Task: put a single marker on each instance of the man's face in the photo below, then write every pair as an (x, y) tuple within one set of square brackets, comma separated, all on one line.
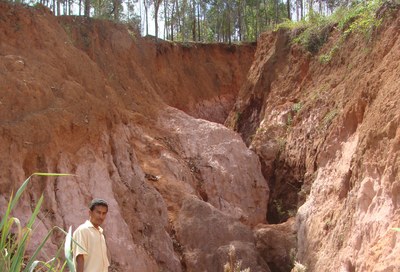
[(98, 215)]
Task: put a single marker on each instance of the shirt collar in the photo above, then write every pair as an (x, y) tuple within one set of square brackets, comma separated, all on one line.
[(90, 225)]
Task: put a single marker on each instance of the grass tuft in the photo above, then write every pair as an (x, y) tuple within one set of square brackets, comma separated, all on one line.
[(13, 245), (234, 265)]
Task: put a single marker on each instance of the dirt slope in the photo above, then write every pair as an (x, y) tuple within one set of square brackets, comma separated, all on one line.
[(92, 98), (328, 137), (210, 75)]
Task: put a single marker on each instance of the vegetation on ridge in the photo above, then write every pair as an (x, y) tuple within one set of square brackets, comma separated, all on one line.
[(360, 17), (219, 20)]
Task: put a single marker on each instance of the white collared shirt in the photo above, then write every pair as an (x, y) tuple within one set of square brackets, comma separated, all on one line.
[(93, 249)]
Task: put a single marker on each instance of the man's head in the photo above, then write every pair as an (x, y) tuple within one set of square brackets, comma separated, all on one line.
[(98, 209)]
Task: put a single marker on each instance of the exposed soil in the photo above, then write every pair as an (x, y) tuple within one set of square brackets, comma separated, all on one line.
[(326, 136), (130, 116)]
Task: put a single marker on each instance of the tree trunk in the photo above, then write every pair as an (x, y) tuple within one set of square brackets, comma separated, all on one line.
[(54, 7), (229, 33), (87, 8), (157, 4), (320, 7), (172, 21), (147, 16), (178, 18), (65, 7), (301, 9), (198, 22), (166, 18), (116, 10), (58, 8), (193, 20), (241, 23)]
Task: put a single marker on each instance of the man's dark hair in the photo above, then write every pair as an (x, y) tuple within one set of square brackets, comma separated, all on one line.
[(98, 202)]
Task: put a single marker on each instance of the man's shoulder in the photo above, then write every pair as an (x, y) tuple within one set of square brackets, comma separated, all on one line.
[(83, 227)]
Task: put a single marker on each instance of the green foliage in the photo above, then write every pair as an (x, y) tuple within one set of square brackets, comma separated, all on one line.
[(291, 25), (238, 115), (361, 18), (289, 119), (228, 20), (281, 212), (297, 107), (313, 31), (316, 33), (281, 143), (329, 117), (326, 58), (279, 208), (13, 245)]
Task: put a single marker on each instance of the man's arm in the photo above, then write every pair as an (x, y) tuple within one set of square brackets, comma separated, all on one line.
[(79, 263)]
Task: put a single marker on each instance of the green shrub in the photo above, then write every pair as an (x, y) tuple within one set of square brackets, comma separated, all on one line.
[(313, 32), (361, 18), (326, 58), (316, 33), (297, 107), (13, 245), (293, 25)]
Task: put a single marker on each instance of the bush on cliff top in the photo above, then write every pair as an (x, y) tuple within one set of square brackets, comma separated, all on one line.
[(314, 31)]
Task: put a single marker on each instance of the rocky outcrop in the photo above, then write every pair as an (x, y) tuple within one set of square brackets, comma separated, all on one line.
[(226, 174), (207, 235), (277, 244)]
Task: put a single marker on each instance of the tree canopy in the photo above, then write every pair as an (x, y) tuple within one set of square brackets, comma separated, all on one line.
[(198, 20)]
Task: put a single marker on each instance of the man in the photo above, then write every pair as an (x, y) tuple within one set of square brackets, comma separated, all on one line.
[(90, 255)]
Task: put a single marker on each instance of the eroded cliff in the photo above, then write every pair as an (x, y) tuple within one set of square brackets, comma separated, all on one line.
[(316, 142), (328, 136), (93, 99)]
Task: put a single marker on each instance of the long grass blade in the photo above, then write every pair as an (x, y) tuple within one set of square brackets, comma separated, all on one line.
[(57, 268), (19, 192), (63, 267), (12, 250), (33, 266), (35, 212), (6, 214), (13, 201), (11, 243), (18, 257), (44, 265), (32, 258), (52, 174), (5, 231), (20, 251), (4, 259)]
